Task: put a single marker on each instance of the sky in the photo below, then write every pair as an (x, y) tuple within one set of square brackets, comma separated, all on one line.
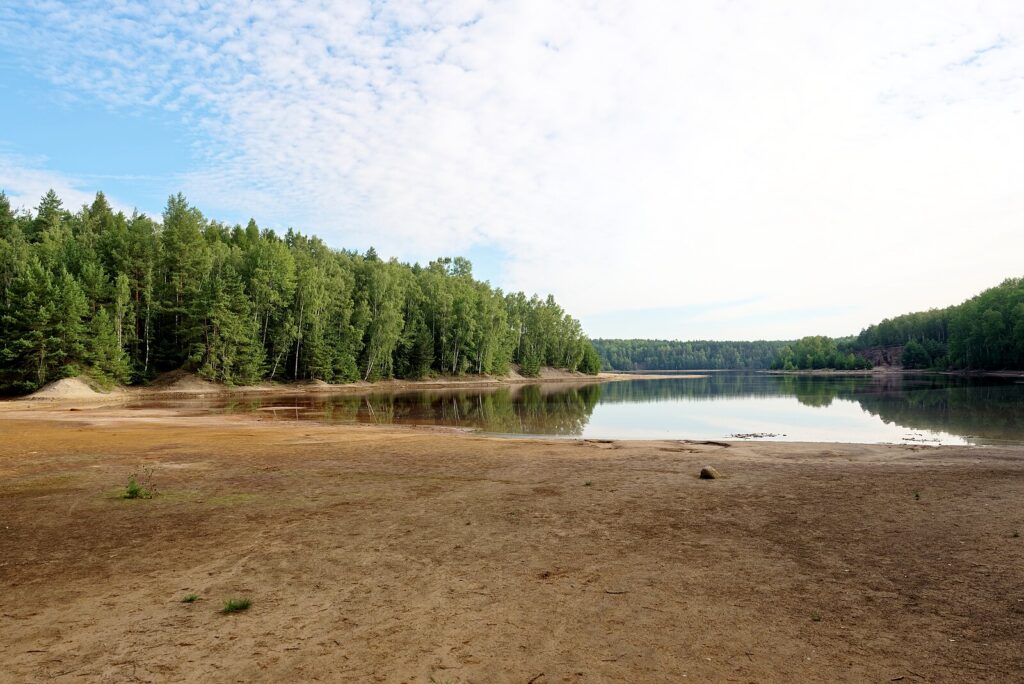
[(667, 169)]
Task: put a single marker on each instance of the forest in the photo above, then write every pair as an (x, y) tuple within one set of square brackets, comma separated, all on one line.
[(819, 352), (124, 298), (986, 332), (635, 355)]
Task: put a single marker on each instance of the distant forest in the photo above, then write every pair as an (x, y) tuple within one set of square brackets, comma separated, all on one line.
[(985, 332), (634, 355), (123, 298)]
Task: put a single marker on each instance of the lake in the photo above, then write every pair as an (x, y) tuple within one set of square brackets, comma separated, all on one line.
[(892, 408)]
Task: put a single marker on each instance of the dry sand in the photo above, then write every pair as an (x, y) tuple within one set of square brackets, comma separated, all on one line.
[(401, 555), (73, 389)]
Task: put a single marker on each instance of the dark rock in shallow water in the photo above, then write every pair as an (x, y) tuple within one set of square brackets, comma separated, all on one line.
[(709, 473)]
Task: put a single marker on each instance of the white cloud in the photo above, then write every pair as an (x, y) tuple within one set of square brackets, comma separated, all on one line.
[(864, 156), (25, 181)]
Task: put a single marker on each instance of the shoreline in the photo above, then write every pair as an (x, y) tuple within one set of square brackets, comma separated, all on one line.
[(179, 384)]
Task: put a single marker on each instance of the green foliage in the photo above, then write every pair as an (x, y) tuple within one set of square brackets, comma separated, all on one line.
[(817, 352), (631, 355), (190, 598), (135, 490), (985, 332), (236, 605), (124, 298), (529, 364), (591, 362), (916, 356)]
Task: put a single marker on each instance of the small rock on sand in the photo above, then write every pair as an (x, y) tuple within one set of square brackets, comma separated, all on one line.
[(709, 473)]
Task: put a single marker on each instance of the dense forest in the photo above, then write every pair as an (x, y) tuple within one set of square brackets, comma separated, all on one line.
[(817, 352), (985, 332), (632, 355), (123, 298)]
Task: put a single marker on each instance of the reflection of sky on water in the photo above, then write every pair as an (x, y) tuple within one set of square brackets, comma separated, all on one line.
[(687, 418), (890, 408)]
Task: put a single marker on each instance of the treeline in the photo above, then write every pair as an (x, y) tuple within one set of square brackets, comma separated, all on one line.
[(634, 355), (985, 332), (126, 297), (818, 352)]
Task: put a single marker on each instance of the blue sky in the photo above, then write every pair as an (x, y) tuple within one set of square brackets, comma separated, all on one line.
[(674, 170), (131, 155)]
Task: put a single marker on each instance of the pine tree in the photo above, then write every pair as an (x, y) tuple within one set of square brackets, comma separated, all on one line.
[(104, 354), (68, 328), (26, 357)]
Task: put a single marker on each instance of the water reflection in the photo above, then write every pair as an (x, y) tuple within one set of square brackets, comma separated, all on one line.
[(525, 409), (887, 408), (979, 409)]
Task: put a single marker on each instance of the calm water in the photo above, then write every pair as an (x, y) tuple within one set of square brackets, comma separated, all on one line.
[(928, 409)]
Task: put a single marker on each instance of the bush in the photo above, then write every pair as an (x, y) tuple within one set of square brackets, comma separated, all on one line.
[(916, 356), (140, 487)]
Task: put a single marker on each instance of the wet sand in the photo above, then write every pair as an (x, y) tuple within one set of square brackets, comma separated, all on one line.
[(405, 554)]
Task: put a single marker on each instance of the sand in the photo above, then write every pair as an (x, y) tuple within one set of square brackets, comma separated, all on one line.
[(401, 555), (73, 389), (182, 384)]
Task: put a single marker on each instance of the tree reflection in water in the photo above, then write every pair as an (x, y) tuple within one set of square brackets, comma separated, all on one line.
[(978, 408)]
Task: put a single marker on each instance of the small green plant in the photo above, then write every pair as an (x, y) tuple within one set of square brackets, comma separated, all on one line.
[(1015, 535), (917, 495), (588, 483), (135, 490), (140, 486), (191, 598), (816, 617), (236, 605)]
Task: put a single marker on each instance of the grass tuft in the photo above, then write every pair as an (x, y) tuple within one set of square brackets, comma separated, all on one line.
[(588, 483), (140, 487), (134, 490), (190, 598), (236, 605)]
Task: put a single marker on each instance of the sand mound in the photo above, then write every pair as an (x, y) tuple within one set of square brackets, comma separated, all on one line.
[(67, 388), (183, 382)]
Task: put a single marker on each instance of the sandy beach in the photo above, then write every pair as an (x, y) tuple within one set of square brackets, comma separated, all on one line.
[(418, 555)]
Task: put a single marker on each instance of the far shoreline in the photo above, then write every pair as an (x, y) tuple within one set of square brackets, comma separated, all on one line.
[(184, 384)]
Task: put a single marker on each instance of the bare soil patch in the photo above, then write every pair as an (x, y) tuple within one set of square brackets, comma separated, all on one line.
[(376, 554)]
